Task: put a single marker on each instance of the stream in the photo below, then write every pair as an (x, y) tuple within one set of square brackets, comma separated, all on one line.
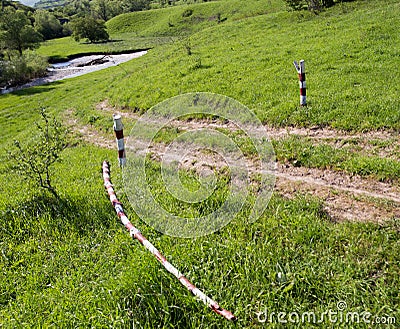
[(76, 67)]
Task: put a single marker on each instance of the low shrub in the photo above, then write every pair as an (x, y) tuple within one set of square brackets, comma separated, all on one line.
[(21, 69), (315, 5), (187, 13)]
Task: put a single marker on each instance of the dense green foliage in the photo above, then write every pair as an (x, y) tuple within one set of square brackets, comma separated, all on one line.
[(101, 9), (17, 70), (120, 6), (90, 29), (70, 263), (47, 25), (315, 5), (16, 36), (17, 33)]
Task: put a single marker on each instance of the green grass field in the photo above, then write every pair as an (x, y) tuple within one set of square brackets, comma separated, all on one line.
[(69, 262), (147, 29)]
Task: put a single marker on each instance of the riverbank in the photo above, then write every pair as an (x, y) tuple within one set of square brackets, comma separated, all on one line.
[(76, 67)]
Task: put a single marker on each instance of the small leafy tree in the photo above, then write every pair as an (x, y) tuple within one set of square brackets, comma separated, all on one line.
[(89, 28), (34, 160)]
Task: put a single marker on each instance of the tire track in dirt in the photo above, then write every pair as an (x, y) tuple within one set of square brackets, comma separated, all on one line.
[(87, 133), (367, 142), (272, 132), (345, 197)]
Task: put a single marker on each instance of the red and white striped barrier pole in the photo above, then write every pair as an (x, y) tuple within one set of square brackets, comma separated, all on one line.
[(135, 233), (302, 81), (119, 134)]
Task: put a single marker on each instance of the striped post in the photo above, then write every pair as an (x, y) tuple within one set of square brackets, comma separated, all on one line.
[(302, 81), (119, 134), (135, 233)]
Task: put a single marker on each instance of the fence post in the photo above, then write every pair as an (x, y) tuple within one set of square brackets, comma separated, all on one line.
[(119, 134), (136, 234), (302, 81)]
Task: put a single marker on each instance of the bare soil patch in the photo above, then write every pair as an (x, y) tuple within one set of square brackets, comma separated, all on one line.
[(377, 143), (345, 197), (107, 107), (87, 133)]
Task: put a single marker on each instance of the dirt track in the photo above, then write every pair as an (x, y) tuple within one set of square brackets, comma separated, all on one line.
[(345, 197)]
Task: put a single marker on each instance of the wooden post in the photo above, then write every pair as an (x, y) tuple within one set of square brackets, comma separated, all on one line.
[(302, 81), (119, 134)]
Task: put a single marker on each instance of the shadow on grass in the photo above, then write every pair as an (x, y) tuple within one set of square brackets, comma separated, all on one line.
[(142, 299), (47, 214), (45, 87), (57, 59), (103, 42)]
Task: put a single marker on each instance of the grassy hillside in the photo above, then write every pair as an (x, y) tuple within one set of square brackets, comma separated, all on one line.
[(187, 19), (147, 29), (69, 263), (251, 60)]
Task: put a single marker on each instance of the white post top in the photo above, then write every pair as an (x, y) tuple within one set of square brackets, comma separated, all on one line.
[(302, 66), (299, 66), (117, 122)]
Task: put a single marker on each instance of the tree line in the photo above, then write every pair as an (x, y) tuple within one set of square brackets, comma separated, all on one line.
[(105, 9), (99, 9)]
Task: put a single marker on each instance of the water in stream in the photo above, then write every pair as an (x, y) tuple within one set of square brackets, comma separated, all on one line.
[(76, 67)]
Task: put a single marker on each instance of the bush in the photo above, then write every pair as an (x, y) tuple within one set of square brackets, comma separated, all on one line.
[(36, 65), (297, 4), (187, 13), (312, 4), (34, 160), (20, 69)]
